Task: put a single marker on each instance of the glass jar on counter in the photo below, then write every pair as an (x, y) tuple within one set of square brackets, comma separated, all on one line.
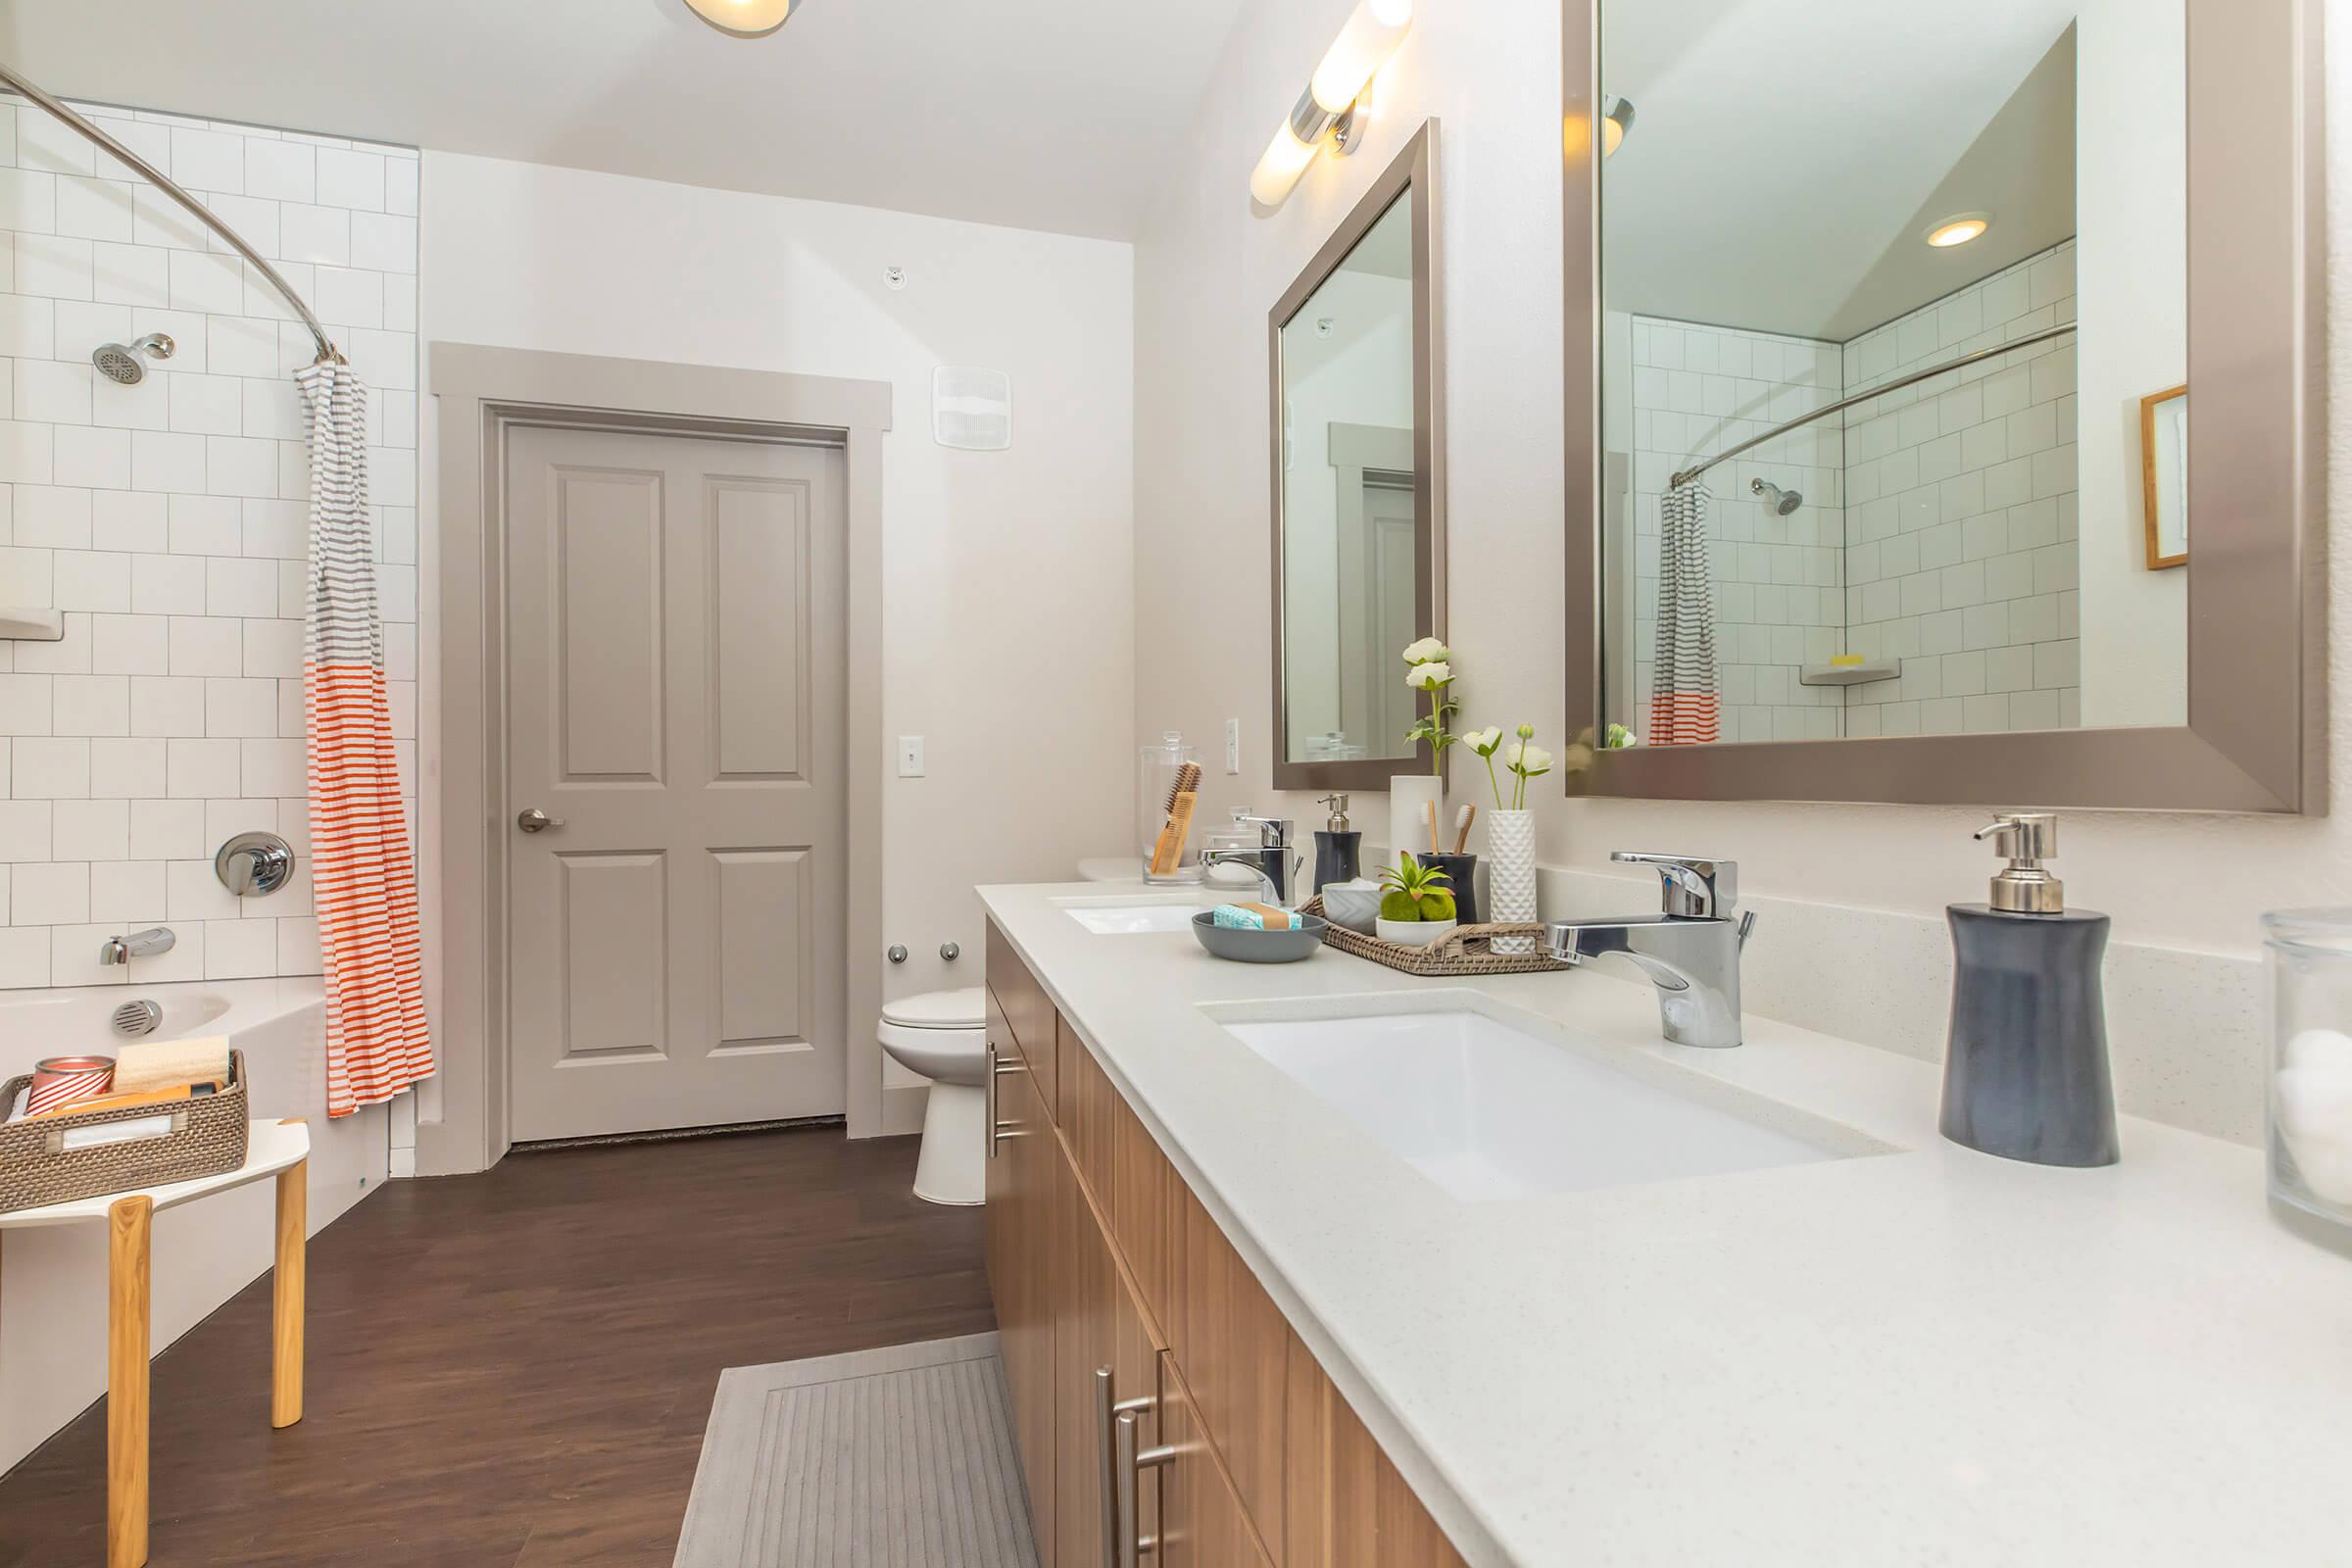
[(2311, 1068), (1167, 787)]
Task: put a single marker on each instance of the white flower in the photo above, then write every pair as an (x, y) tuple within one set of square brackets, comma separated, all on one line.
[(1484, 741), (1528, 760), (1428, 650), (1429, 677)]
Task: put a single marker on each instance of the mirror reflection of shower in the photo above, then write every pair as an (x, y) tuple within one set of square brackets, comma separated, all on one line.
[(1782, 502)]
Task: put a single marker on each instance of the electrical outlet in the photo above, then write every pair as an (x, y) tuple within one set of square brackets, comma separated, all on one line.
[(910, 757), (1233, 746)]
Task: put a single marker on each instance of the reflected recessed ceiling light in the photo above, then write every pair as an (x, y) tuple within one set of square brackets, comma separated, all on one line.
[(743, 19), (1958, 229)]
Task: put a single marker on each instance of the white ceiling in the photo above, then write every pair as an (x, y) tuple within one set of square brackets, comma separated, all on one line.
[(1038, 113), (1785, 154)]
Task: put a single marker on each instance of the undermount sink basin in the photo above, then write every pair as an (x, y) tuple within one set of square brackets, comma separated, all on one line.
[(1490, 1111), (1132, 916)]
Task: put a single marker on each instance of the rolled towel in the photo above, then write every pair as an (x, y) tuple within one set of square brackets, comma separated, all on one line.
[(171, 1064), (1251, 917)]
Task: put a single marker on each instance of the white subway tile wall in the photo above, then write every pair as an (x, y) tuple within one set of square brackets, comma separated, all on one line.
[(1779, 600), (1961, 561), (169, 521), (1939, 524)]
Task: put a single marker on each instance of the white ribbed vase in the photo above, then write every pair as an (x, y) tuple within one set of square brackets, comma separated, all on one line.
[(1409, 797), (1511, 876)]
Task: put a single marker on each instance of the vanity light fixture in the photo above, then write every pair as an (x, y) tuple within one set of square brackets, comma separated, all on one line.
[(1329, 106), (1958, 229), (743, 18)]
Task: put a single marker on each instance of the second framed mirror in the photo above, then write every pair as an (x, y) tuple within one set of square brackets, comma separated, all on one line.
[(1357, 453)]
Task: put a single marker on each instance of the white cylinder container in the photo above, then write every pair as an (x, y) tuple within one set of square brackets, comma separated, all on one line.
[(1511, 876)]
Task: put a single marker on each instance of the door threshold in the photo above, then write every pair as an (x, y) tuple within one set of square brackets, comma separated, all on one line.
[(671, 1135)]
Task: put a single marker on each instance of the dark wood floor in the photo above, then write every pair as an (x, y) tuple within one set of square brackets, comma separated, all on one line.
[(513, 1370)]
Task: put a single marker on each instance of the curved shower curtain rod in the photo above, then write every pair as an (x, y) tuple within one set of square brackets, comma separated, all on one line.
[(1677, 481), (196, 208)]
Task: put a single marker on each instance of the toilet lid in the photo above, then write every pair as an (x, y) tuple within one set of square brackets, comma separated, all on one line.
[(938, 1010)]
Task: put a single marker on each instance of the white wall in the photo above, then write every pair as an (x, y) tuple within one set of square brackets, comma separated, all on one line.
[(1007, 574), (169, 522), (2131, 138), (1206, 269)]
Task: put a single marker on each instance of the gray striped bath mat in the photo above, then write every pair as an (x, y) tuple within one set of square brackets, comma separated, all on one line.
[(894, 1458)]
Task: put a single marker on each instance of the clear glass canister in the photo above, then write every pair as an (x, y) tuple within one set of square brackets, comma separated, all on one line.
[(1168, 787), (2311, 1065)]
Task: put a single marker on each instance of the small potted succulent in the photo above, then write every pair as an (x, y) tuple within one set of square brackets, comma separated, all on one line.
[(1416, 908)]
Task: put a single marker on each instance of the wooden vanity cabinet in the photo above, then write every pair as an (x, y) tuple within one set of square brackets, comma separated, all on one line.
[(1099, 1256)]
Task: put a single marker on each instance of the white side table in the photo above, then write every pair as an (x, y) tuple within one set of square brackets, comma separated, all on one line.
[(279, 1149)]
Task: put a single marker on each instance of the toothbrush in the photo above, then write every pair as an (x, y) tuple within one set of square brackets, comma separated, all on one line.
[(1429, 809), (1461, 828)]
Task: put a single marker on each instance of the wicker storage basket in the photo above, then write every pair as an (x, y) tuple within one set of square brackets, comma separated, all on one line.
[(1466, 950), (65, 1157)]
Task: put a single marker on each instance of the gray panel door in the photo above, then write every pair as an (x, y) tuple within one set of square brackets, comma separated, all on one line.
[(675, 686)]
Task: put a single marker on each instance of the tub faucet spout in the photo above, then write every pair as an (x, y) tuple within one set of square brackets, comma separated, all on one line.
[(137, 945)]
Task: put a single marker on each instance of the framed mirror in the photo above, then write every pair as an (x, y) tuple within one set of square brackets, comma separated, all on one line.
[(1359, 485), (1864, 494)]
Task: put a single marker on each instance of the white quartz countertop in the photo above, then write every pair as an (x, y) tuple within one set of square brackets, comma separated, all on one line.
[(1923, 1356)]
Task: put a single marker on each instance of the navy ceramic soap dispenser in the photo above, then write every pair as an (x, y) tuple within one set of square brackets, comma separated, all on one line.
[(2025, 1074)]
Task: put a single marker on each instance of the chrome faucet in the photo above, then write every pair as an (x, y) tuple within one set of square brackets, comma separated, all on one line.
[(1690, 949), (138, 945), (1273, 859)]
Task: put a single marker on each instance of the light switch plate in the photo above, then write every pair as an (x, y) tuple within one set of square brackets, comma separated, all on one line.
[(1233, 746), (910, 757)]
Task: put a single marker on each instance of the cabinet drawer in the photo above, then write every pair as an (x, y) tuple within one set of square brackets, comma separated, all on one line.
[(1028, 1012)]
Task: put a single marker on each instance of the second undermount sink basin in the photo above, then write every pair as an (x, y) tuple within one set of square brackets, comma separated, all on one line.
[(1490, 1111), (1127, 917)]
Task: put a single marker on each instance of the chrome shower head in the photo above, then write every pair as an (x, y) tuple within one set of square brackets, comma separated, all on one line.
[(121, 361), (1782, 502)]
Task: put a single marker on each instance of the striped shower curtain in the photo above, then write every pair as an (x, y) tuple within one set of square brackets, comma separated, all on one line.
[(1683, 699), (363, 875)]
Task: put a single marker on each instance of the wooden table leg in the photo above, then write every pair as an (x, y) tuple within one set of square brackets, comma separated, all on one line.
[(129, 1226), (293, 1257)]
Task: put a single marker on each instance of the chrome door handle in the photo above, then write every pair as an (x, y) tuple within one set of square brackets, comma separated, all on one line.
[(1132, 1460), (1107, 1410), (533, 820)]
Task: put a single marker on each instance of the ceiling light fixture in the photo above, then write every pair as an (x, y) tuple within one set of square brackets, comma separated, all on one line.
[(1958, 229), (743, 18), (1328, 109)]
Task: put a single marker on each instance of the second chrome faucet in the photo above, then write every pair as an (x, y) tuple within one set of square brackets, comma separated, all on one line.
[(1689, 948)]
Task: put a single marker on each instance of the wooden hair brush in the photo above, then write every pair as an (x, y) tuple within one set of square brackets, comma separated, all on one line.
[(1183, 792)]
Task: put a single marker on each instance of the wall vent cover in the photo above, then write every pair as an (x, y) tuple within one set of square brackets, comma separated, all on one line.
[(972, 410)]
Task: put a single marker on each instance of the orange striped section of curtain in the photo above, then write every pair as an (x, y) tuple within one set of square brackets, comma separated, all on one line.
[(363, 872)]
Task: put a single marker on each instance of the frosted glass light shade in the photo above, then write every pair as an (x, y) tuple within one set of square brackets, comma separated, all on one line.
[(1374, 30), (745, 19), (1286, 159)]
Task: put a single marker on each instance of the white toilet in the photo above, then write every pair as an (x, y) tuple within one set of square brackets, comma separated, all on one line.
[(943, 1035)]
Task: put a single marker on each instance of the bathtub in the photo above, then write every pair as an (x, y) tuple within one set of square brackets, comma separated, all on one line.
[(53, 1280)]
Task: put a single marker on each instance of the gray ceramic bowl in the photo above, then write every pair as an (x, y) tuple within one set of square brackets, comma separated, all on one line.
[(1259, 946)]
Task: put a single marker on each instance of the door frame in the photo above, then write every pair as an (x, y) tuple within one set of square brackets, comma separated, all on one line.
[(481, 393)]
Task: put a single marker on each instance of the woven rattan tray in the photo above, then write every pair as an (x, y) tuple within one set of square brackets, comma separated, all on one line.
[(1466, 950), (62, 1158)]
